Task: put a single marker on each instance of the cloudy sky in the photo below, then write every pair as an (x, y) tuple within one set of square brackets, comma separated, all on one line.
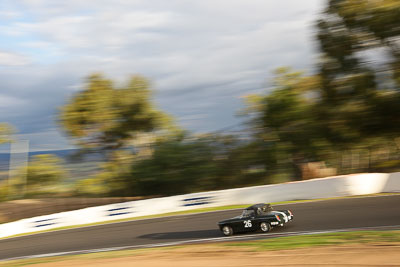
[(201, 56)]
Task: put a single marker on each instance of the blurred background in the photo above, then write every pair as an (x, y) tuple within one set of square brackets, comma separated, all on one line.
[(102, 104)]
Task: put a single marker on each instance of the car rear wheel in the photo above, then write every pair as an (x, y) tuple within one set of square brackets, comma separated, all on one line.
[(265, 227), (227, 230)]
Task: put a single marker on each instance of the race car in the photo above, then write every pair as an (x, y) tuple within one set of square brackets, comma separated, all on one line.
[(259, 217)]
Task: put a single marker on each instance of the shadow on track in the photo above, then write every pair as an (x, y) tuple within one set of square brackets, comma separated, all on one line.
[(198, 234)]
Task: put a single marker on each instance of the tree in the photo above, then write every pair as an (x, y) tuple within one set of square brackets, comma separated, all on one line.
[(6, 188), (360, 70), (42, 175), (103, 117), (193, 163), (5, 133), (45, 169), (285, 120), (113, 179), (351, 104), (176, 166), (360, 67)]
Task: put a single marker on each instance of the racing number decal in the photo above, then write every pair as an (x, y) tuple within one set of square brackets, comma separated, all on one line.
[(247, 224)]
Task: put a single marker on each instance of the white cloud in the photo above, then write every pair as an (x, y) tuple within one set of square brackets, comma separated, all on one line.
[(9, 14), (37, 44), (7, 101), (13, 59), (101, 31)]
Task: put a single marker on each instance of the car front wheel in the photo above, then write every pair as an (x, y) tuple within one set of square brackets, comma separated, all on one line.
[(265, 227), (227, 230)]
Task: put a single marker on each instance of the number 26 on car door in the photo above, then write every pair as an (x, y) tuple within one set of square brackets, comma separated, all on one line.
[(247, 223)]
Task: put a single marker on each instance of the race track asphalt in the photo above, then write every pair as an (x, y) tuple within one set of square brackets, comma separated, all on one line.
[(308, 216)]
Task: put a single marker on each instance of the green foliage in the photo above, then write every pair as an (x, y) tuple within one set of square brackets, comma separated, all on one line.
[(175, 167), (113, 179), (45, 169), (103, 116), (7, 191), (93, 186), (364, 96), (187, 164), (5, 133), (286, 121), (350, 108), (296, 124), (43, 176)]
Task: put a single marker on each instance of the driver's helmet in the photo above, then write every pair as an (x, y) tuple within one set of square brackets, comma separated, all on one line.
[(264, 209)]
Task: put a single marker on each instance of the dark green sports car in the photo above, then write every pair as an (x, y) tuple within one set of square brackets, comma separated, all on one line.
[(259, 217)]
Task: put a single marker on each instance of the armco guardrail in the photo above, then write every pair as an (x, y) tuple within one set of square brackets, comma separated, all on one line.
[(349, 185)]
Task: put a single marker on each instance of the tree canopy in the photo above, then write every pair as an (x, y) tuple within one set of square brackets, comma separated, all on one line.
[(351, 103), (45, 169), (360, 65), (105, 117)]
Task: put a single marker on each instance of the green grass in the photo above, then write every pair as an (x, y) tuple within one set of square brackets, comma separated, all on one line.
[(292, 242), (332, 239)]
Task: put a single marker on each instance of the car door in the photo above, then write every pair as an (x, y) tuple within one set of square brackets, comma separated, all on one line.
[(249, 221), (237, 225), (248, 224)]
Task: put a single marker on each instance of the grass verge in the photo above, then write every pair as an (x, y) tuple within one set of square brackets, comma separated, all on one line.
[(328, 239), (386, 238)]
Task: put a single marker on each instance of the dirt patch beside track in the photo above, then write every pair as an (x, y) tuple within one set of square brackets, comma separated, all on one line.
[(372, 254)]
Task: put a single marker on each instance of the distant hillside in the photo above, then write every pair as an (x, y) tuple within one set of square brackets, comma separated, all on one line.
[(64, 154), (4, 161), (59, 153), (79, 168)]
